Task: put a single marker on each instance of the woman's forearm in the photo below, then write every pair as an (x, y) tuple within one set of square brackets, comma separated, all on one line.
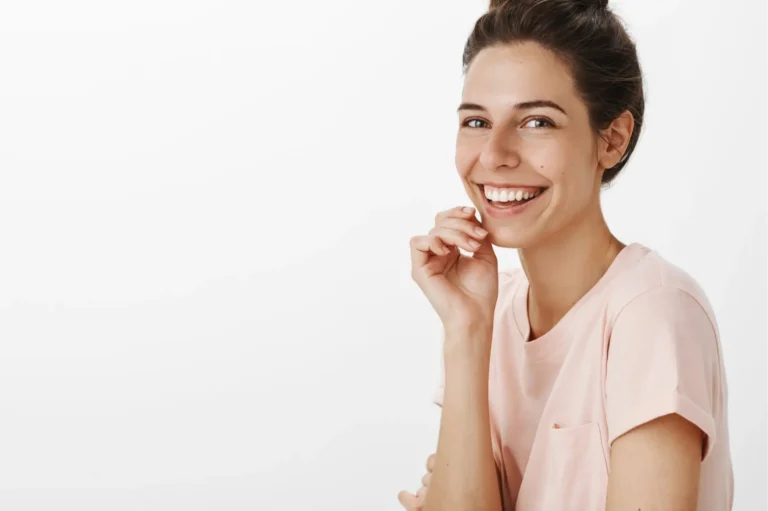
[(465, 476)]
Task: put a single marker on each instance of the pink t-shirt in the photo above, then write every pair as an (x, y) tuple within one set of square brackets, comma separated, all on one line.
[(641, 344)]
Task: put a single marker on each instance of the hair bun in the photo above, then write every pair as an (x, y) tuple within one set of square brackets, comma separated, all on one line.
[(600, 4), (584, 4)]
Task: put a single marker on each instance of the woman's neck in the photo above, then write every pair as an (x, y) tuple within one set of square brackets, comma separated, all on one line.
[(563, 269)]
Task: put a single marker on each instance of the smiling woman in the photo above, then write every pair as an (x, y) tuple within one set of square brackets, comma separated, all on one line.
[(592, 378)]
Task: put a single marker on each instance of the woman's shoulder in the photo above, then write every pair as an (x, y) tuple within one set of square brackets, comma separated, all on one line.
[(651, 274)]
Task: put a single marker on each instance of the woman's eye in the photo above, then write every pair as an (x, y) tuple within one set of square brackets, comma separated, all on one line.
[(469, 123), (539, 122)]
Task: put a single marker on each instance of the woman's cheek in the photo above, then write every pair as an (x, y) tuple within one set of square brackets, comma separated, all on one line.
[(547, 160), (464, 158)]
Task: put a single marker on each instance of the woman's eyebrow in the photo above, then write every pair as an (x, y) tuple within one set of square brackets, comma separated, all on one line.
[(526, 105)]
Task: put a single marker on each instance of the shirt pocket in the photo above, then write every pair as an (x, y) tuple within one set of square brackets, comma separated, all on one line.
[(576, 474)]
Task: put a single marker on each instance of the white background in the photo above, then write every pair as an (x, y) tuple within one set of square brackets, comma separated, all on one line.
[(205, 294)]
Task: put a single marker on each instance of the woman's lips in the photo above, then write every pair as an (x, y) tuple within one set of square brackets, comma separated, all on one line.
[(508, 209)]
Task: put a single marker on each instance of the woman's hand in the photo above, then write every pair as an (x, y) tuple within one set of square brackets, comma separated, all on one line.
[(413, 502), (462, 289)]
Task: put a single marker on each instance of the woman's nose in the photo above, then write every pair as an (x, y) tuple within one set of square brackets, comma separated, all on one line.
[(501, 150)]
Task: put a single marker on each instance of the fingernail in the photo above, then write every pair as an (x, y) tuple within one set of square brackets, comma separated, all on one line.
[(474, 244), (481, 231), (467, 209)]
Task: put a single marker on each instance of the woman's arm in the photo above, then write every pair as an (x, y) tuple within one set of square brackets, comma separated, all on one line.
[(415, 502), (465, 476), (656, 466), (664, 393)]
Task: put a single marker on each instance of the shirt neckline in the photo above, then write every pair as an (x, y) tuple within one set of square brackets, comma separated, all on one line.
[(553, 342)]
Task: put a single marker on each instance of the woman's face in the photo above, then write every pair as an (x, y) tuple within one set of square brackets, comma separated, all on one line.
[(524, 131)]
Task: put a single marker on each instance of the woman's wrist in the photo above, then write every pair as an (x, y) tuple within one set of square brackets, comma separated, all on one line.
[(469, 333), (468, 345)]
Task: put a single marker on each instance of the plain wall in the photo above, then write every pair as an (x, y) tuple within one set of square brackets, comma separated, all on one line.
[(205, 207)]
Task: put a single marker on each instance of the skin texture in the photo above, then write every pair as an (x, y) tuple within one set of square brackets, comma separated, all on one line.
[(656, 466), (463, 290), (565, 246), (540, 147), (414, 502)]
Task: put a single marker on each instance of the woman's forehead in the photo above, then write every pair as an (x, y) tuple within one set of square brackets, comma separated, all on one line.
[(517, 73)]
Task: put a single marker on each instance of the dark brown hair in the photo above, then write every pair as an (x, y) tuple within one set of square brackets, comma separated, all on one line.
[(589, 38)]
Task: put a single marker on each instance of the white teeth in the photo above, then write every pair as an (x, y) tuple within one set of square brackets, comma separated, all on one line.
[(509, 194)]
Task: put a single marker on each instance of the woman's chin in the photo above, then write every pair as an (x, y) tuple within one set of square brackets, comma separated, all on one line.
[(506, 238)]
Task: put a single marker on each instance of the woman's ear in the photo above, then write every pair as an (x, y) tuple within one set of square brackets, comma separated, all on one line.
[(614, 140)]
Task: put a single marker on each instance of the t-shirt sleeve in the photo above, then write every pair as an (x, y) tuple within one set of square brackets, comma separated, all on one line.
[(663, 358)]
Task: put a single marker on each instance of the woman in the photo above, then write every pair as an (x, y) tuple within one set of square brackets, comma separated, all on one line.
[(592, 377)]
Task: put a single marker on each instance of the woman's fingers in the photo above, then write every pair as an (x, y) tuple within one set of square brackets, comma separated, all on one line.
[(460, 219), (458, 212), (422, 247), (413, 502), (409, 501), (449, 236), (471, 227), (473, 237), (456, 227), (459, 227)]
